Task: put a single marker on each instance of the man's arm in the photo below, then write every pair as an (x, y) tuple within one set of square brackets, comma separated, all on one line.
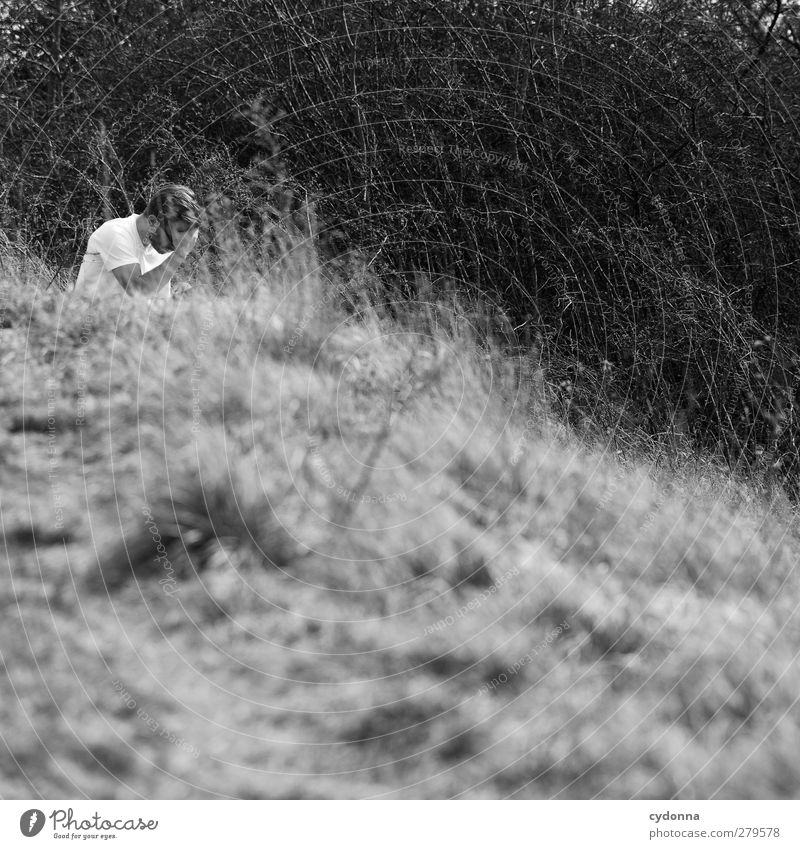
[(130, 277)]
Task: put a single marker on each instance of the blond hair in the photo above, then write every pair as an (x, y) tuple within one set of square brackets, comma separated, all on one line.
[(174, 203)]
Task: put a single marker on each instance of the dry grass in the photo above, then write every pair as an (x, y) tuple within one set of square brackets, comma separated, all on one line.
[(387, 569)]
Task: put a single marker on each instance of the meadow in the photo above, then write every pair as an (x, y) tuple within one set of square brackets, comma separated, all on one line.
[(274, 540)]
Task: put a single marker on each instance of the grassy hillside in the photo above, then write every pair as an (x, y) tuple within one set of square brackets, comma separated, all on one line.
[(267, 544)]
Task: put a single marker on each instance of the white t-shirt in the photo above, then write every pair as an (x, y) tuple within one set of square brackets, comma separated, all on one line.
[(112, 245)]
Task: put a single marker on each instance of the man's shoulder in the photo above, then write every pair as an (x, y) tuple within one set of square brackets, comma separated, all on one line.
[(113, 230), (122, 223), (114, 225)]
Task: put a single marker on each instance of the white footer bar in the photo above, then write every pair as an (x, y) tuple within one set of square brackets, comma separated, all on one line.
[(401, 824)]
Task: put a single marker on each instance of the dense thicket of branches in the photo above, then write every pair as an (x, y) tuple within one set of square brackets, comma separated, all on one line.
[(622, 178)]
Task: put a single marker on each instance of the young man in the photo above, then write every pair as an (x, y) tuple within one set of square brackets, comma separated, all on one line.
[(141, 253)]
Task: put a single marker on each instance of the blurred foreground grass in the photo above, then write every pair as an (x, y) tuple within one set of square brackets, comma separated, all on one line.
[(260, 545)]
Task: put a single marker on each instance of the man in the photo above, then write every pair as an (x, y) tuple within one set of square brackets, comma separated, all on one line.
[(141, 253)]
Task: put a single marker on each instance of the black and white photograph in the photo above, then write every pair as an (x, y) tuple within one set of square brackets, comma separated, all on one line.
[(399, 401)]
